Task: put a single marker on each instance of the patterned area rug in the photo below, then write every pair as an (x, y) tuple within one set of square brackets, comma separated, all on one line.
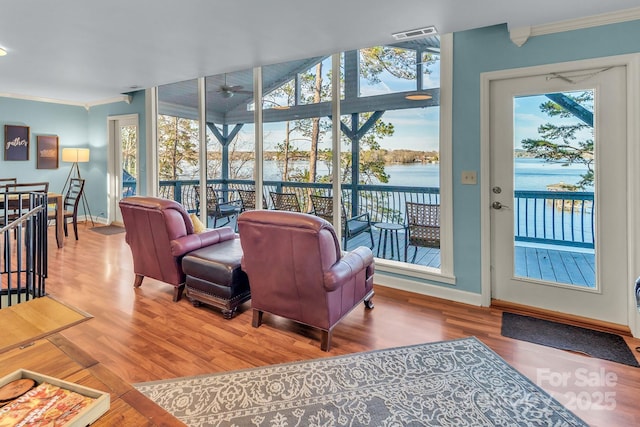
[(450, 383)]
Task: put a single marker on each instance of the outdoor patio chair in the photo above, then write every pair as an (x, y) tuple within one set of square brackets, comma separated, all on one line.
[(248, 199), (217, 207), (285, 201), (423, 227), (351, 227)]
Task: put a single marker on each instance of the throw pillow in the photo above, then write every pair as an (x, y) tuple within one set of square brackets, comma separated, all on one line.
[(198, 226)]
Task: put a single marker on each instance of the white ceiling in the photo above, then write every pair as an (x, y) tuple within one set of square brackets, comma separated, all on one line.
[(86, 52)]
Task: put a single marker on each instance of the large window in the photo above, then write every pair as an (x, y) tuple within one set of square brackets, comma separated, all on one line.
[(178, 145), (389, 143)]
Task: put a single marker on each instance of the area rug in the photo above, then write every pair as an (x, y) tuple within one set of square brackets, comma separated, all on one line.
[(449, 383), (601, 345), (108, 230)]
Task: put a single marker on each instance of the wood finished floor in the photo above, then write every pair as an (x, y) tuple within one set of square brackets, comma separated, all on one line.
[(142, 335)]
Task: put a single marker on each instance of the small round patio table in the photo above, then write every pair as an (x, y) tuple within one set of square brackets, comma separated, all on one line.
[(388, 230)]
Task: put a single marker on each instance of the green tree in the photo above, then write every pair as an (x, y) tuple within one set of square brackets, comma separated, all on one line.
[(559, 143), (282, 97), (398, 62), (128, 137), (177, 147)]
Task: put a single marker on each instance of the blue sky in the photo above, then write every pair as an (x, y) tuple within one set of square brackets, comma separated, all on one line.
[(528, 117)]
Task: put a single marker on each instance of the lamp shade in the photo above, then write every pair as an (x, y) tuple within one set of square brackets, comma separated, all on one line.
[(75, 155)]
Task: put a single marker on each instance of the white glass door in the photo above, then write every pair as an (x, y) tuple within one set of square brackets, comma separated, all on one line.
[(125, 146), (558, 192)]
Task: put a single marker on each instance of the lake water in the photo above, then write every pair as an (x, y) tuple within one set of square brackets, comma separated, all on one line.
[(530, 174)]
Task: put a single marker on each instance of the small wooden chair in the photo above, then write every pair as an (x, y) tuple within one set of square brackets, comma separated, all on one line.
[(70, 205), (24, 188), (4, 182)]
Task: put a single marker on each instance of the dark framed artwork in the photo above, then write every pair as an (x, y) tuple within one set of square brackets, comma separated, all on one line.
[(16, 142), (47, 152)]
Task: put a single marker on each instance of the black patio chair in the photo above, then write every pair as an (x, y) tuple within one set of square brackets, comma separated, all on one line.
[(217, 207), (351, 227)]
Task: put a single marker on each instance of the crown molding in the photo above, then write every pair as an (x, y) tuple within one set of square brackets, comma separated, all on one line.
[(123, 98), (520, 35), (41, 99), (86, 106)]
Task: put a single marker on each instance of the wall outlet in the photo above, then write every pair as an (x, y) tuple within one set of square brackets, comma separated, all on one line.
[(469, 177)]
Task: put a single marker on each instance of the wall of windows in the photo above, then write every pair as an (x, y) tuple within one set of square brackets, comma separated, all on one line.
[(389, 144)]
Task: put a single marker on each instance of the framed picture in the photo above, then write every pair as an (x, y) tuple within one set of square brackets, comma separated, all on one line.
[(16, 142), (47, 154)]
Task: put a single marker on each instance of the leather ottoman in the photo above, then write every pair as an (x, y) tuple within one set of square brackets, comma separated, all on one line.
[(214, 277)]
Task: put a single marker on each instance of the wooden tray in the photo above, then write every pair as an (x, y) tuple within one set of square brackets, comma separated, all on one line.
[(86, 416)]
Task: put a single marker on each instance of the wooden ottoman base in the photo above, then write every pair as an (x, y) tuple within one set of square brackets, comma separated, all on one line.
[(214, 277)]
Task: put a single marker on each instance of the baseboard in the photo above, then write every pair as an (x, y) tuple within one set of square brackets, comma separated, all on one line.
[(98, 220), (556, 316), (423, 288)]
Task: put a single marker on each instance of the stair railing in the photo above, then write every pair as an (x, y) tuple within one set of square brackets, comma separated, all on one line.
[(23, 238)]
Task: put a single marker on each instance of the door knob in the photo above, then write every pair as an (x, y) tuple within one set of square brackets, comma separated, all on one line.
[(498, 206)]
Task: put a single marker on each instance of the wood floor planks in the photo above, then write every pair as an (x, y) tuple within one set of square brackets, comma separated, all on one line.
[(141, 335), (35, 319)]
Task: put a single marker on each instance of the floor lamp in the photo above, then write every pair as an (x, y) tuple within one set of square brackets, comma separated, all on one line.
[(75, 156)]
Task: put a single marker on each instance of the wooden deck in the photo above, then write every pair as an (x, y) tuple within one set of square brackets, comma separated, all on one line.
[(562, 266), (554, 265)]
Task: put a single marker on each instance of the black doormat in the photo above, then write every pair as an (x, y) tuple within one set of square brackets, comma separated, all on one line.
[(108, 230), (601, 345)]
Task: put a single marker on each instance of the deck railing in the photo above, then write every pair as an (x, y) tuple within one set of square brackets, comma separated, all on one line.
[(384, 203), (23, 237), (555, 217), (551, 217)]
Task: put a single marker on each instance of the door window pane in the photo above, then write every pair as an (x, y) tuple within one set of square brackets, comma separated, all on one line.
[(553, 160)]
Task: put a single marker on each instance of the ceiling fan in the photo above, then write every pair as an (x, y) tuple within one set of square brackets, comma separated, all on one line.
[(227, 91)]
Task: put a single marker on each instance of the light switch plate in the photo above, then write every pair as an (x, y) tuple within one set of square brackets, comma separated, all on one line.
[(469, 177)]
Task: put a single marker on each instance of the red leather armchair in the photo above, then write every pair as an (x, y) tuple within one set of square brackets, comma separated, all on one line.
[(160, 233), (297, 270)]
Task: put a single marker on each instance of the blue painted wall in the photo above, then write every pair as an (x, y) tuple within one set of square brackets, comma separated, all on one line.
[(68, 122), (490, 49), (75, 127)]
